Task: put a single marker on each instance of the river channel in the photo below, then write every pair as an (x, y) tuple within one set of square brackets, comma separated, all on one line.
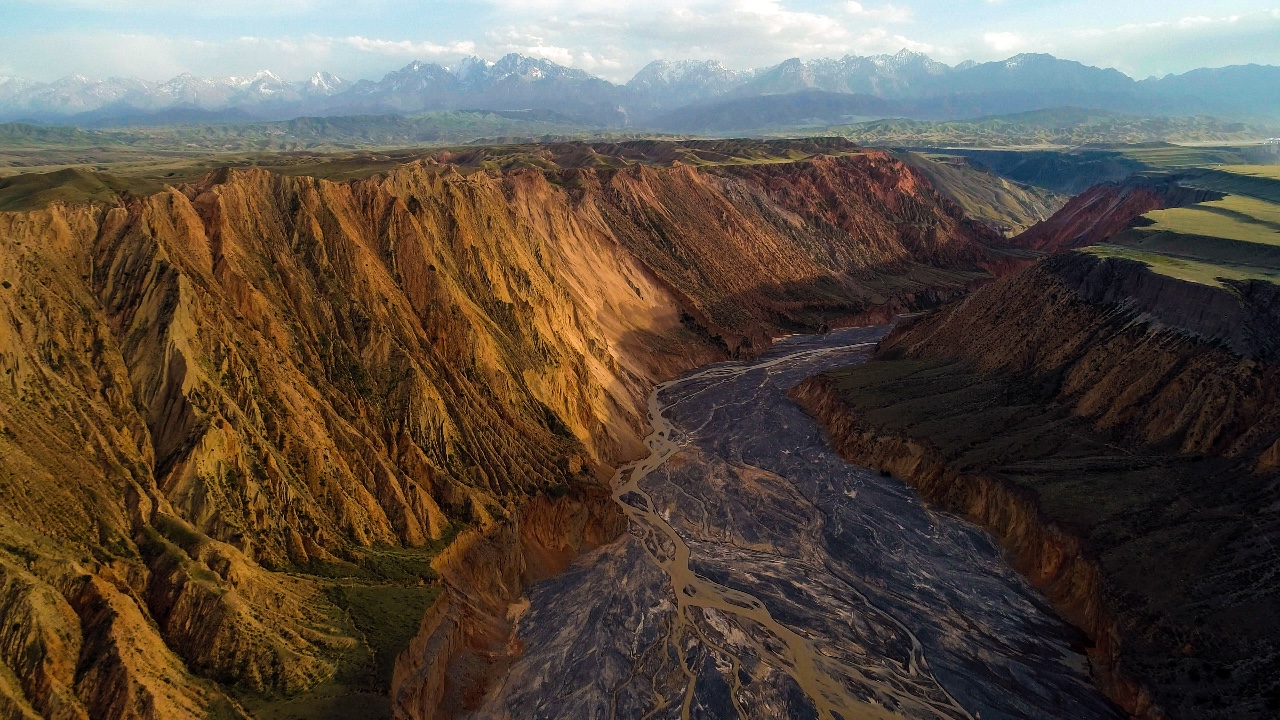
[(765, 577)]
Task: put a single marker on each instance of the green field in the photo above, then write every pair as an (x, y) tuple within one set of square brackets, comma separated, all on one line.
[(1204, 272), (1162, 155), (1147, 138), (1235, 217), (1270, 172), (1235, 237)]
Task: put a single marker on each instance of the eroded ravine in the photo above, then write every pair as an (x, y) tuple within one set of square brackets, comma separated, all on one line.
[(763, 577)]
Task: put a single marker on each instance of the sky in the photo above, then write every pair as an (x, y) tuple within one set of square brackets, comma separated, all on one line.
[(158, 39)]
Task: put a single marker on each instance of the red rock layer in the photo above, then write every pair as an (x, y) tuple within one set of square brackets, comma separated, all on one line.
[(1092, 216), (254, 374)]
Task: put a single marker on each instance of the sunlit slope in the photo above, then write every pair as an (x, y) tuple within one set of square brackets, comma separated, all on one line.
[(244, 418), (1234, 237), (1006, 205)]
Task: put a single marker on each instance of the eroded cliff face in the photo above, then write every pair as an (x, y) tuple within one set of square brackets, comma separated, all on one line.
[(1120, 443), (217, 397), (1046, 553), (1104, 210), (467, 640)]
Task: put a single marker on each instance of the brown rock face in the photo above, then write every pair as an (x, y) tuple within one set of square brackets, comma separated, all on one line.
[(1122, 447), (467, 639), (213, 396), (1102, 211)]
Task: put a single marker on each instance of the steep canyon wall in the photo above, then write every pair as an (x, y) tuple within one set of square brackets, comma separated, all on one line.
[(224, 400), (1118, 430)]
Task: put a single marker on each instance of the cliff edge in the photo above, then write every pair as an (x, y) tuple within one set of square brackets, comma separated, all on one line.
[(1119, 430)]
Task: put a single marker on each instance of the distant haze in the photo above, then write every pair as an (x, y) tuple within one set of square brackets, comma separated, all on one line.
[(361, 39), (686, 96)]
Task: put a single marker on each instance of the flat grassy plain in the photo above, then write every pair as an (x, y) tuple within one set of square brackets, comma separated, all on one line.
[(1068, 127), (1185, 268), (1234, 237), (1270, 172), (1235, 217), (1165, 155), (110, 173)]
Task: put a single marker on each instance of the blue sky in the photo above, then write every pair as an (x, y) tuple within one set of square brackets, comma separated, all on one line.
[(157, 39)]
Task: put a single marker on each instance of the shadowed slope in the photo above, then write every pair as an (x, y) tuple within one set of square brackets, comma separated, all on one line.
[(1119, 429)]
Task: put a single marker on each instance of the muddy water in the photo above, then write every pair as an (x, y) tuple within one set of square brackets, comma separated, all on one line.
[(764, 577)]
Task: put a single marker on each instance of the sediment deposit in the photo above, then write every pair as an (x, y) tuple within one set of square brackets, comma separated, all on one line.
[(764, 577)]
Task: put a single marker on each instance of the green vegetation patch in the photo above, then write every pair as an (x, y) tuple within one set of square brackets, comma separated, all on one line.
[(1148, 139), (1261, 185), (1161, 524), (1235, 217), (1233, 237), (329, 701), (1186, 268), (388, 616), (1269, 172), (1168, 155), (380, 596), (72, 185)]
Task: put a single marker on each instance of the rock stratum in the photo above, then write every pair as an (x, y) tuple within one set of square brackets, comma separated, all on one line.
[(240, 417), (1118, 430), (1104, 210)]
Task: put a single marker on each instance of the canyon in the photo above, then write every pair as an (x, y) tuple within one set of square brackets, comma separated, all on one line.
[(765, 577), (1116, 428), (275, 443), (565, 429)]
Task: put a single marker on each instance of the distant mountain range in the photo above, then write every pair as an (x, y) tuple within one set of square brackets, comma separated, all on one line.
[(683, 96)]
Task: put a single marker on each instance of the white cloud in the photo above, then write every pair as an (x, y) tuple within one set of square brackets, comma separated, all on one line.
[(883, 13), (1179, 43), (193, 8), (366, 38), (1004, 42), (409, 48), (157, 57), (563, 56)]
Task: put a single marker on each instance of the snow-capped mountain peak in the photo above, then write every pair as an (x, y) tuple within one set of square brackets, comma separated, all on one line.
[(472, 67), (323, 83)]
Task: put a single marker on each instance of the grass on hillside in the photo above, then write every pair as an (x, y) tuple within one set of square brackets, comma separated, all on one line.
[(1162, 155), (1270, 172), (1070, 127), (1260, 184), (1235, 217), (1156, 521), (1185, 268), (1236, 237), (379, 597), (72, 185)]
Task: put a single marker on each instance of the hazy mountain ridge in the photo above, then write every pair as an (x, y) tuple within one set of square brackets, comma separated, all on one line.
[(930, 89)]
